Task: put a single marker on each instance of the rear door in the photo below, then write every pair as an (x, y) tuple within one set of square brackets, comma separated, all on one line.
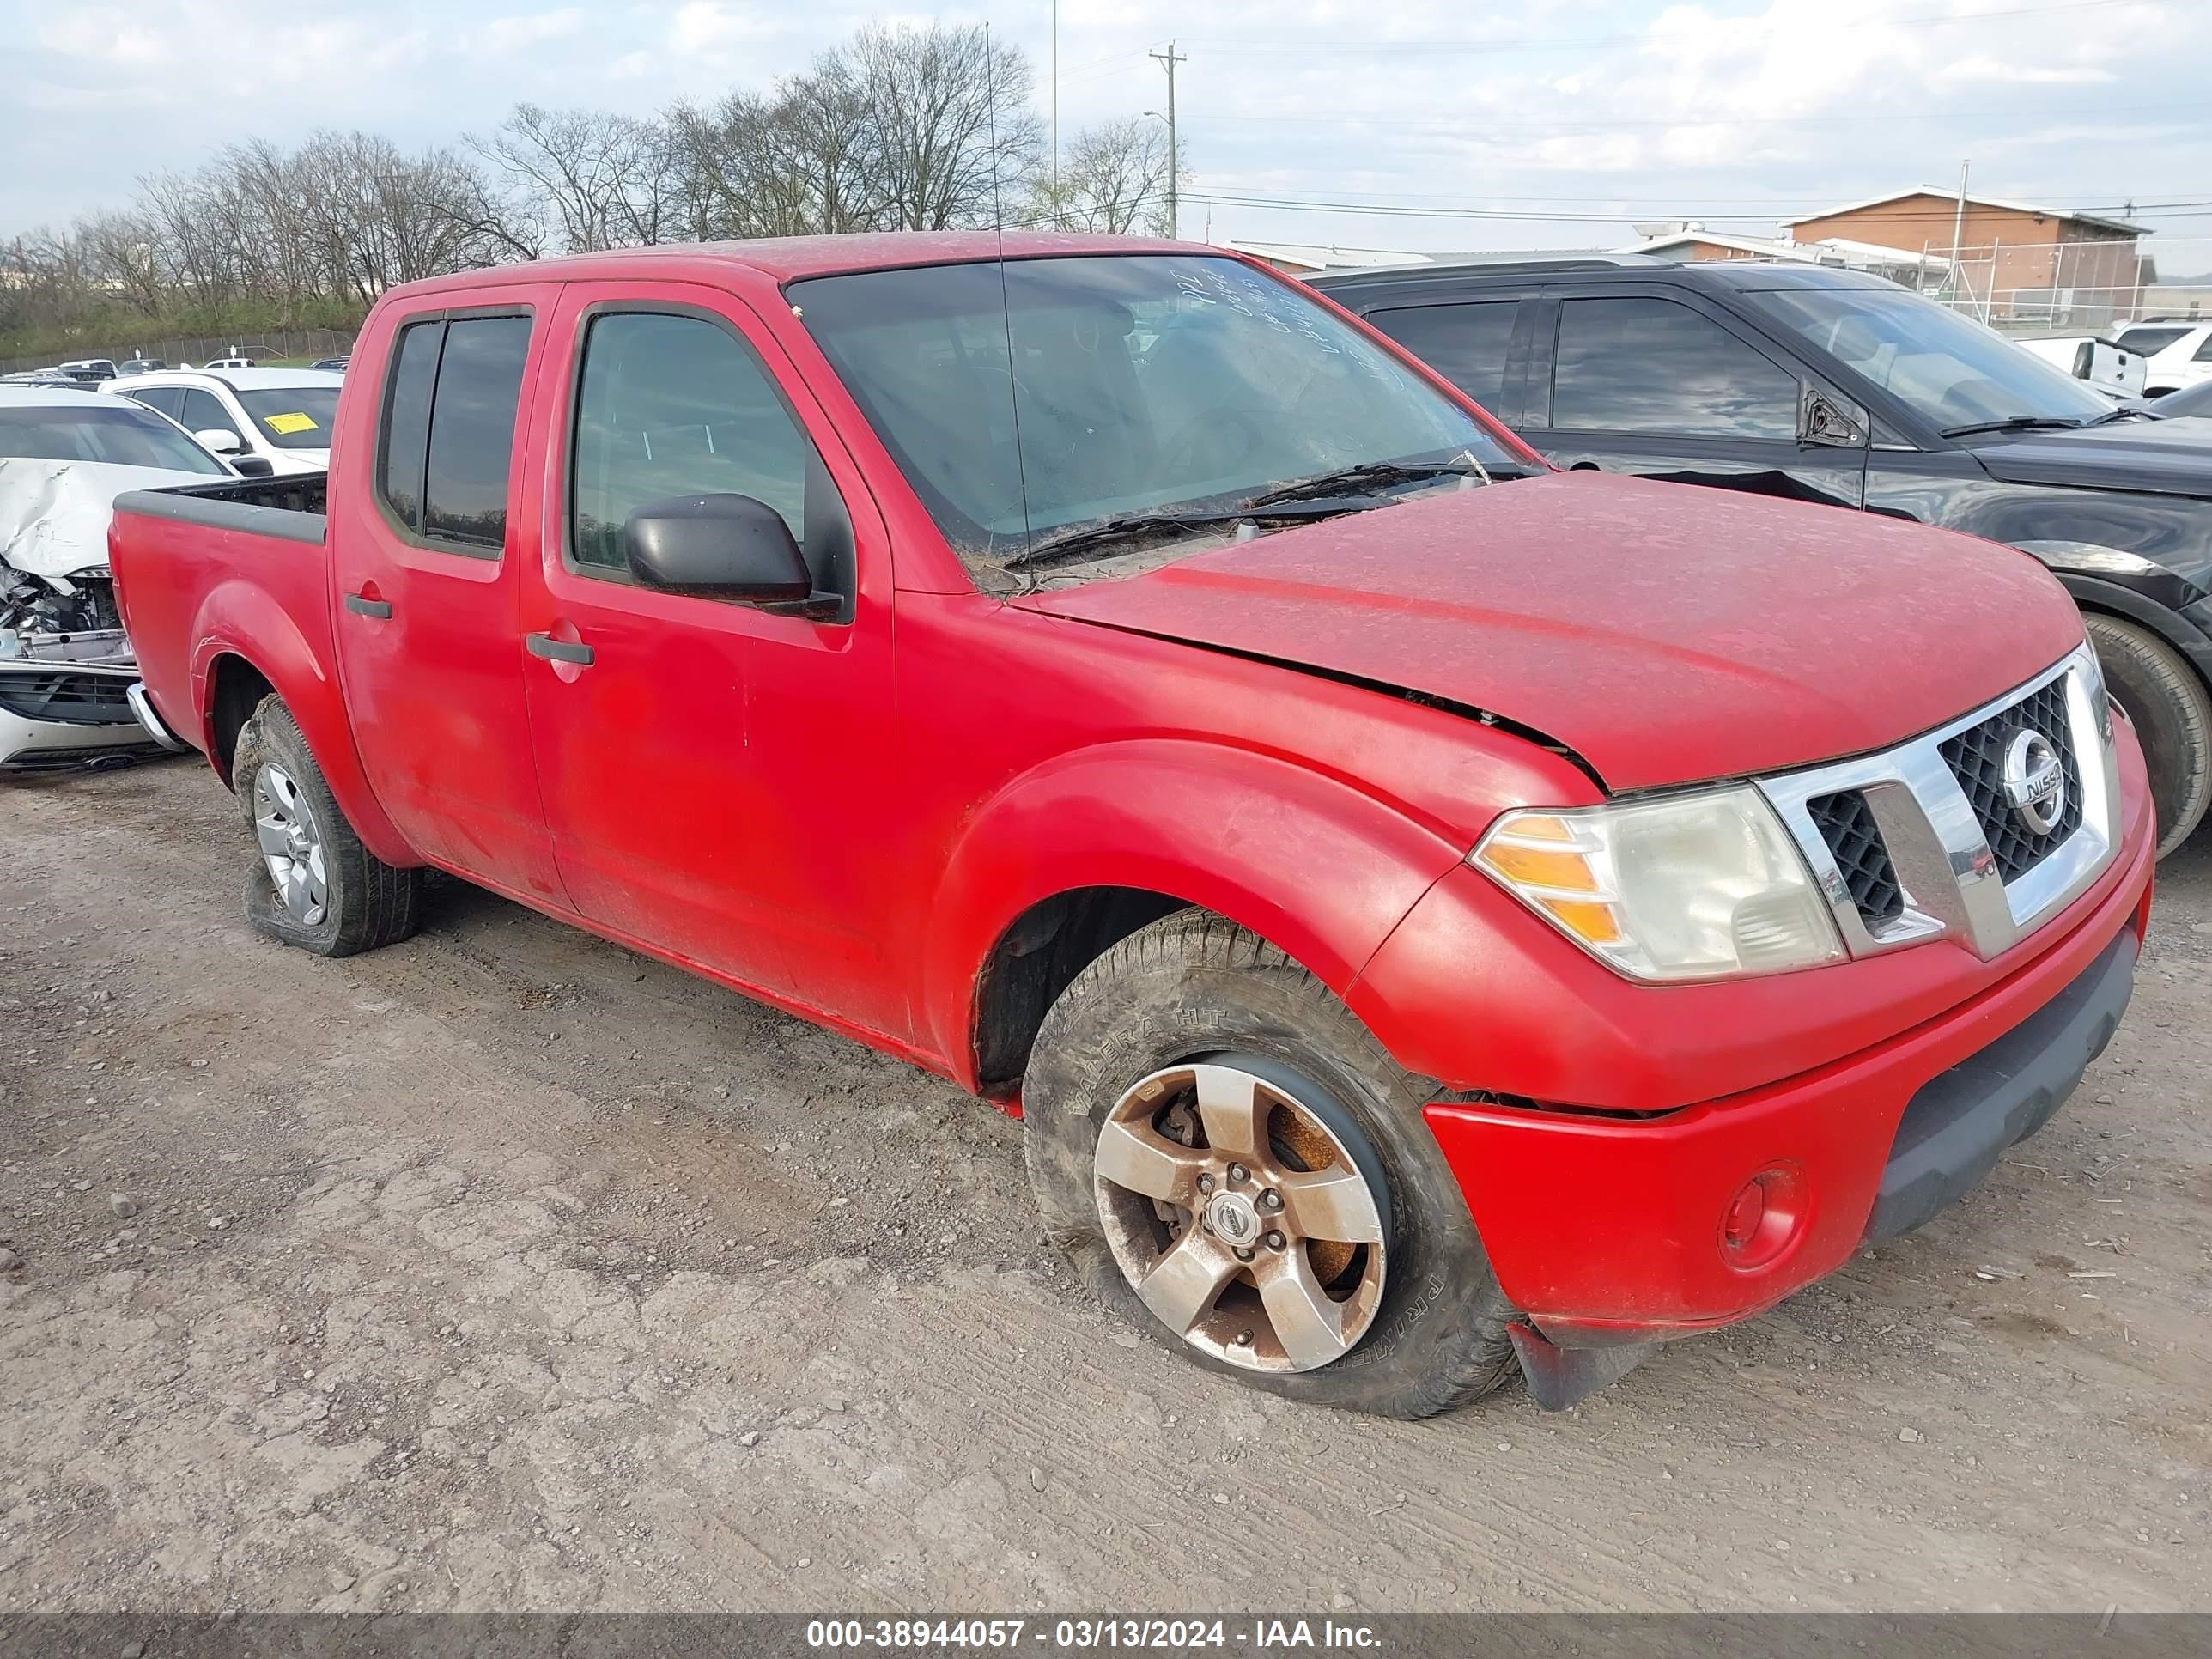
[(715, 775), (428, 527), (1661, 383)]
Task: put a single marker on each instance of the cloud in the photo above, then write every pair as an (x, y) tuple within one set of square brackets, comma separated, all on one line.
[(528, 29), (1588, 112)]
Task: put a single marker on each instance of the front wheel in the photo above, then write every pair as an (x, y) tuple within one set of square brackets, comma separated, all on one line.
[(1230, 1160), (315, 886), (2173, 716)]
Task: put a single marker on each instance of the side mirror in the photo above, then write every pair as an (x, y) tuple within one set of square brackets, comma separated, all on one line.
[(718, 547), (1830, 421), (221, 440), (253, 466)]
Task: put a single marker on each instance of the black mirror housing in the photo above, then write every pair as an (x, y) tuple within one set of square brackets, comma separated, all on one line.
[(253, 466), (722, 547), (1830, 423)]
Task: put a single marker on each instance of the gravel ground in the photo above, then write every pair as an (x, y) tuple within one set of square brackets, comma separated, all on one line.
[(502, 1270)]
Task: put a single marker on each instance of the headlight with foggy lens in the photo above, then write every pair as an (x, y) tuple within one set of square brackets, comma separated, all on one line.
[(1706, 886)]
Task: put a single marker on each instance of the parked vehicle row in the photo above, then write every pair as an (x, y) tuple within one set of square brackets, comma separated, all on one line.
[(281, 416), (1825, 386), (1436, 914), (65, 665)]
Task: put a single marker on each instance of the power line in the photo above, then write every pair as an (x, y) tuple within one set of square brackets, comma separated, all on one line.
[(1559, 43), (2180, 210), (1477, 126)]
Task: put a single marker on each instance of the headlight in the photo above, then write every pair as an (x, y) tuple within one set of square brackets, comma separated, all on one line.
[(1703, 886)]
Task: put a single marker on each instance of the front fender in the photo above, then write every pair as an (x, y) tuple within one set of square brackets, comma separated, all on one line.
[(1316, 867), (240, 619)]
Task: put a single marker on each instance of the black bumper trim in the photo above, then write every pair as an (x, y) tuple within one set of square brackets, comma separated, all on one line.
[(1960, 1121)]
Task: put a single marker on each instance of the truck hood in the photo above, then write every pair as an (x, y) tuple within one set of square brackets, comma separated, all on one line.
[(1665, 634), (2164, 458)]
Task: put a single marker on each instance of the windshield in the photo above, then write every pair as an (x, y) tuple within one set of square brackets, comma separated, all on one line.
[(2148, 342), (294, 417), (124, 435), (1142, 384), (1945, 367)]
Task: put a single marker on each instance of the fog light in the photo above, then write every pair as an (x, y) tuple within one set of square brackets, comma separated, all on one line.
[(1763, 1219)]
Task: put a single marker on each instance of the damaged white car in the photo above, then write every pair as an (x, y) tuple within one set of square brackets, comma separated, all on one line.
[(65, 668)]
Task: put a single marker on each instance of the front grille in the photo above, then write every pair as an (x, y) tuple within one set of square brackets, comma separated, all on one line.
[(1847, 825), (63, 695), (1977, 758)]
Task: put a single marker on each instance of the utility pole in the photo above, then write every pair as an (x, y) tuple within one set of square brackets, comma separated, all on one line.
[(1055, 91), (1170, 57), (1958, 229)]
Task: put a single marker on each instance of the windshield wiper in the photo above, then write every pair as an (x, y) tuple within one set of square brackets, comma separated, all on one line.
[(2120, 415), (2017, 423), (1364, 479), (1146, 526)]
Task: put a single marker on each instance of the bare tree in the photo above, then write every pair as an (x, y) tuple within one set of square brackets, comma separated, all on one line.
[(1114, 179), (594, 179), (952, 126)]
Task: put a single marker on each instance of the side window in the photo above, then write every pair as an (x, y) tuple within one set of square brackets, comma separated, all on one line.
[(2203, 352), (1648, 365), (448, 436), (201, 412), (1465, 343), (472, 429), (670, 405), (167, 399), (407, 421)]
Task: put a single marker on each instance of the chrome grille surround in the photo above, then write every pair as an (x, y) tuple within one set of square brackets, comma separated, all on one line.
[(1939, 850)]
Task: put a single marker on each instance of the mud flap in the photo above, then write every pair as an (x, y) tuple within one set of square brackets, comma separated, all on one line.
[(1557, 1377)]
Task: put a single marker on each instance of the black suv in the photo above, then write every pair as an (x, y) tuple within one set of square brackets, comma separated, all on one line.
[(1826, 386)]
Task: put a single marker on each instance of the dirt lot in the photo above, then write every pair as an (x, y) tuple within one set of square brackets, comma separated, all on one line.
[(503, 1270)]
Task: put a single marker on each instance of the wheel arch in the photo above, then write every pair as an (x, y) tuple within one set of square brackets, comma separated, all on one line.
[(246, 648), (1077, 854)]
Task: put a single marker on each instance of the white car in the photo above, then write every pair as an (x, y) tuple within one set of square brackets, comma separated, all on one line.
[(281, 414), (66, 667), (2116, 372), (2177, 352)]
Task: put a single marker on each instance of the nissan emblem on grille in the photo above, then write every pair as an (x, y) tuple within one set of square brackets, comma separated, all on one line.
[(2035, 782)]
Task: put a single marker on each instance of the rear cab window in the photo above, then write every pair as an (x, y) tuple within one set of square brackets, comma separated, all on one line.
[(446, 439)]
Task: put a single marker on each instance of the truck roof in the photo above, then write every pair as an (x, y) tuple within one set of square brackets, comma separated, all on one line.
[(788, 258)]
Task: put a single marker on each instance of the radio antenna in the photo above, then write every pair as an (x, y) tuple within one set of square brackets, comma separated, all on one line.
[(1006, 310)]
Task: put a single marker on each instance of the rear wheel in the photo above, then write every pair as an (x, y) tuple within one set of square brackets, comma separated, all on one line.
[(315, 886), (2172, 717), (1230, 1160)]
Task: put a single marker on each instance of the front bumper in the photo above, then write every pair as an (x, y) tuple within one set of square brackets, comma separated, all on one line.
[(1610, 1229), (55, 715)]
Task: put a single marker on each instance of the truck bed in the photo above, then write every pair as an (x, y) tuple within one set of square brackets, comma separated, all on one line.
[(236, 566), (292, 508)]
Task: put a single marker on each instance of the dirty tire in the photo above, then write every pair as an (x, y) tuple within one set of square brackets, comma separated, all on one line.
[(2173, 716), (370, 904), (1192, 984)]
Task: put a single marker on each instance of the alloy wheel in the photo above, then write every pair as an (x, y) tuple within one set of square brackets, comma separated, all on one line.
[(1241, 1217), (291, 845)]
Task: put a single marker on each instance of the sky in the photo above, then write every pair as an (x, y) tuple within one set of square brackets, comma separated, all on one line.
[(1396, 124)]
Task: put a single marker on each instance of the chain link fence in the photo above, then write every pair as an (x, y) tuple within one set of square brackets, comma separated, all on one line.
[(263, 345), (2086, 287)]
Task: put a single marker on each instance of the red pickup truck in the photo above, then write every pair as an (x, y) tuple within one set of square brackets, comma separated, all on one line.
[(1435, 913)]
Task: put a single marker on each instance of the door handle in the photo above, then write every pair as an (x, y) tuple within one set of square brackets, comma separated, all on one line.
[(553, 650), (376, 610)]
